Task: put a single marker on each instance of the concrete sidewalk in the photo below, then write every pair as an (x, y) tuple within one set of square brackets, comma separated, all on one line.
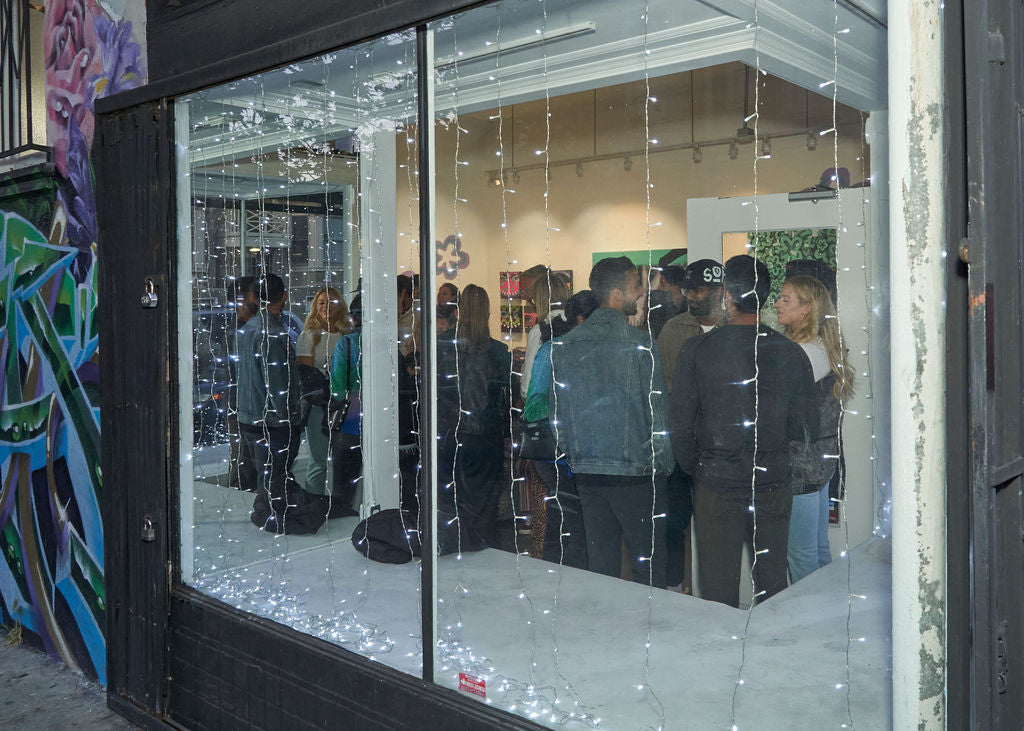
[(39, 693)]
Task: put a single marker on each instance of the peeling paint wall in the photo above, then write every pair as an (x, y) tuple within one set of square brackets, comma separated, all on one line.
[(917, 290)]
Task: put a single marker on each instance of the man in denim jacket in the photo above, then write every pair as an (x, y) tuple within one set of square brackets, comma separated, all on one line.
[(610, 418)]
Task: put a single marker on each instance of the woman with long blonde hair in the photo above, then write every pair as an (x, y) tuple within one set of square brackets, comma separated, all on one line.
[(326, 324), (806, 312)]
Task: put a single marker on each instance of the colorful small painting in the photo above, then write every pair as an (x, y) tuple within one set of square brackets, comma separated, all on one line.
[(512, 318), (508, 283)]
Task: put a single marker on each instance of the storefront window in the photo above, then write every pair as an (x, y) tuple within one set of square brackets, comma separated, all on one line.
[(661, 475), (297, 354), (572, 585)]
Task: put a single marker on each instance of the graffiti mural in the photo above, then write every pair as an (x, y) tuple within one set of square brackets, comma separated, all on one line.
[(51, 534)]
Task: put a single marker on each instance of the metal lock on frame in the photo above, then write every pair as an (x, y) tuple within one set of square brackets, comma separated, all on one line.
[(149, 297)]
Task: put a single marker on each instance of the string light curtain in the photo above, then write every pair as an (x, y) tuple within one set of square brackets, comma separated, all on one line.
[(294, 174), (562, 134), (522, 629)]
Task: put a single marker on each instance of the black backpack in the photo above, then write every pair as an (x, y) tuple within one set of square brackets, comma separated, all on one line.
[(392, 536), (388, 536)]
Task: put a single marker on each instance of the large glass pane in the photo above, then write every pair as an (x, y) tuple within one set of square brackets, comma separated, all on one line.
[(623, 453), (296, 348)]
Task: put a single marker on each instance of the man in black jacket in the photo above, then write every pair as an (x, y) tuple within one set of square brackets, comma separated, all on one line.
[(741, 394)]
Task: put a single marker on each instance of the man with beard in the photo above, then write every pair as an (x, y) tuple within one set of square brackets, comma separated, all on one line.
[(609, 416), (703, 285)]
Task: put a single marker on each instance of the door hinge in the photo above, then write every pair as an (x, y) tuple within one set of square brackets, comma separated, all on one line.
[(964, 249)]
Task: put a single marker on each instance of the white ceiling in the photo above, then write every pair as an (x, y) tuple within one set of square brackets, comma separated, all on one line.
[(509, 53)]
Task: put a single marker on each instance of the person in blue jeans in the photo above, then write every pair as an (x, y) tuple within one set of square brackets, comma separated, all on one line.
[(806, 312)]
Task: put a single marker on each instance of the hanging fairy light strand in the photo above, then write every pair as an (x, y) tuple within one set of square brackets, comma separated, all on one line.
[(840, 231), (755, 379), (645, 685)]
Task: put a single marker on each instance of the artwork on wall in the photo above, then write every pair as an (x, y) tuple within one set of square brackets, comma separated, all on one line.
[(508, 285), (51, 530), (640, 257), (451, 258), (512, 318), (778, 248)]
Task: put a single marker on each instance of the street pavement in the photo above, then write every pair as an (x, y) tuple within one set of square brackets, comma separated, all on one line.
[(39, 693)]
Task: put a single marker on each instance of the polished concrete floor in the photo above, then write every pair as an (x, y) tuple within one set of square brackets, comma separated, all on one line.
[(563, 645)]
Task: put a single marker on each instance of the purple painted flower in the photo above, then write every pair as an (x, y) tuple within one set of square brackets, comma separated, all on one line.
[(122, 67), (76, 194)]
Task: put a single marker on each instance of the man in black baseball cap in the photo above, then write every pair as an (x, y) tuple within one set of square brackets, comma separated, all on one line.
[(702, 284)]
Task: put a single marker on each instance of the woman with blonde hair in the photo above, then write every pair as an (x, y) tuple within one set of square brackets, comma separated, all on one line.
[(806, 312), (326, 324)]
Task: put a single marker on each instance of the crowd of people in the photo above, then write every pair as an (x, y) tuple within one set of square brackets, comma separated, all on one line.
[(702, 417)]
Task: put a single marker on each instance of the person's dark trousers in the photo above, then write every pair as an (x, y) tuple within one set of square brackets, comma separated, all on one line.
[(241, 470), (478, 480), (564, 516), (347, 461), (679, 502), (724, 523), (281, 506), (617, 508)]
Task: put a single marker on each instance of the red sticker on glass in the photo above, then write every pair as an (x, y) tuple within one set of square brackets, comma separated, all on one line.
[(473, 684)]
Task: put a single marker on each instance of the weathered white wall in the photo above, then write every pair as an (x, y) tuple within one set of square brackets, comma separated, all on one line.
[(917, 290)]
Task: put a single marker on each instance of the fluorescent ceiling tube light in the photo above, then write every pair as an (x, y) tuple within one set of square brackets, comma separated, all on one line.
[(504, 47)]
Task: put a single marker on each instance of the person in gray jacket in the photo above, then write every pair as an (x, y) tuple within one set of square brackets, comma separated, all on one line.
[(609, 416), (268, 416)]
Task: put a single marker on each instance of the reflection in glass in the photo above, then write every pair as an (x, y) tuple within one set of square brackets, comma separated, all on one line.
[(671, 134), (293, 237)]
